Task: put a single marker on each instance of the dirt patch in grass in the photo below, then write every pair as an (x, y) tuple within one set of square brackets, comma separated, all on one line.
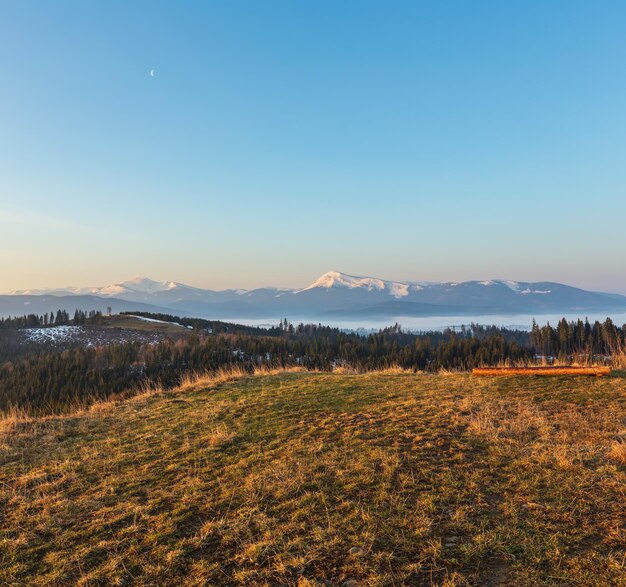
[(313, 479)]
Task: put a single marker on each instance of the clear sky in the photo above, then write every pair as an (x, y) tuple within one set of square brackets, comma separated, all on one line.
[(278, 140)]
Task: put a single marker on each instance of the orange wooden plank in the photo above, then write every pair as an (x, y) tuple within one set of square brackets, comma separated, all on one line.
[(499, 371)]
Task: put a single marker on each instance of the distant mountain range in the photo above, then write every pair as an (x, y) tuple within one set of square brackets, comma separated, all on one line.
[(334, 295)]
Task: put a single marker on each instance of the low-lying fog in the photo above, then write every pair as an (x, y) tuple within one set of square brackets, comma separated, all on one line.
[(421, 323)]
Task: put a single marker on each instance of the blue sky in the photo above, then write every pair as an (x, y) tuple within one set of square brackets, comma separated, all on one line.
[(279, 140)]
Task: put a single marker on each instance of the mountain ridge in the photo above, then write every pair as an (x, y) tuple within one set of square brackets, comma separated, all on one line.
[(333, 294)]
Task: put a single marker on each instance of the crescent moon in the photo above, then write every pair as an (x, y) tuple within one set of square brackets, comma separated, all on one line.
[(152, 73)]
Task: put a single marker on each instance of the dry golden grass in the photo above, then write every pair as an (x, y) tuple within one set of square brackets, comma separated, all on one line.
[(195, 380), (618, 360), (323, 479), (617, 450)]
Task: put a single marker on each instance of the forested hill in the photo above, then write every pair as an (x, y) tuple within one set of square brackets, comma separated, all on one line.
[(55, 381)]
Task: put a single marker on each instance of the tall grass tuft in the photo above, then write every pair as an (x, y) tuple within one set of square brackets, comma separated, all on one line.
[(618, 360)]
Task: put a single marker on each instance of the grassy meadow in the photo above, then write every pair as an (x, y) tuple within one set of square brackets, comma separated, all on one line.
[(129, 322), (323, 479)]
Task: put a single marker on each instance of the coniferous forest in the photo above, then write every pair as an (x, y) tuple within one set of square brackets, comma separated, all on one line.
[(39, 380)]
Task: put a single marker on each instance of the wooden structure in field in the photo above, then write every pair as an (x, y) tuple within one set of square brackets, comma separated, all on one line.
[(499, 371)]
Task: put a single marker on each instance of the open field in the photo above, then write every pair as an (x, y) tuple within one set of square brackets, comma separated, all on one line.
[(129, 322), (313, 479)]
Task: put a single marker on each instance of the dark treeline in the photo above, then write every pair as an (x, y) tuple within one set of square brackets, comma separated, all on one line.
[(55, 381), (12, 346), (61, 318), (575, 339)]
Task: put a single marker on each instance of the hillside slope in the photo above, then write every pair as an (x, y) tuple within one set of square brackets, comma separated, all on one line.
[(309, 479)]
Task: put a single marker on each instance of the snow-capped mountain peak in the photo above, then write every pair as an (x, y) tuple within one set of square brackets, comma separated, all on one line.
[(144, 285), (336, 279), (136, 285), (334, 294)]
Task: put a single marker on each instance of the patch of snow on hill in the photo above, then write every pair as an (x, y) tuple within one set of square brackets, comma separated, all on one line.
[(52, 333), (514, 285), (517, 288), (144, 319)]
